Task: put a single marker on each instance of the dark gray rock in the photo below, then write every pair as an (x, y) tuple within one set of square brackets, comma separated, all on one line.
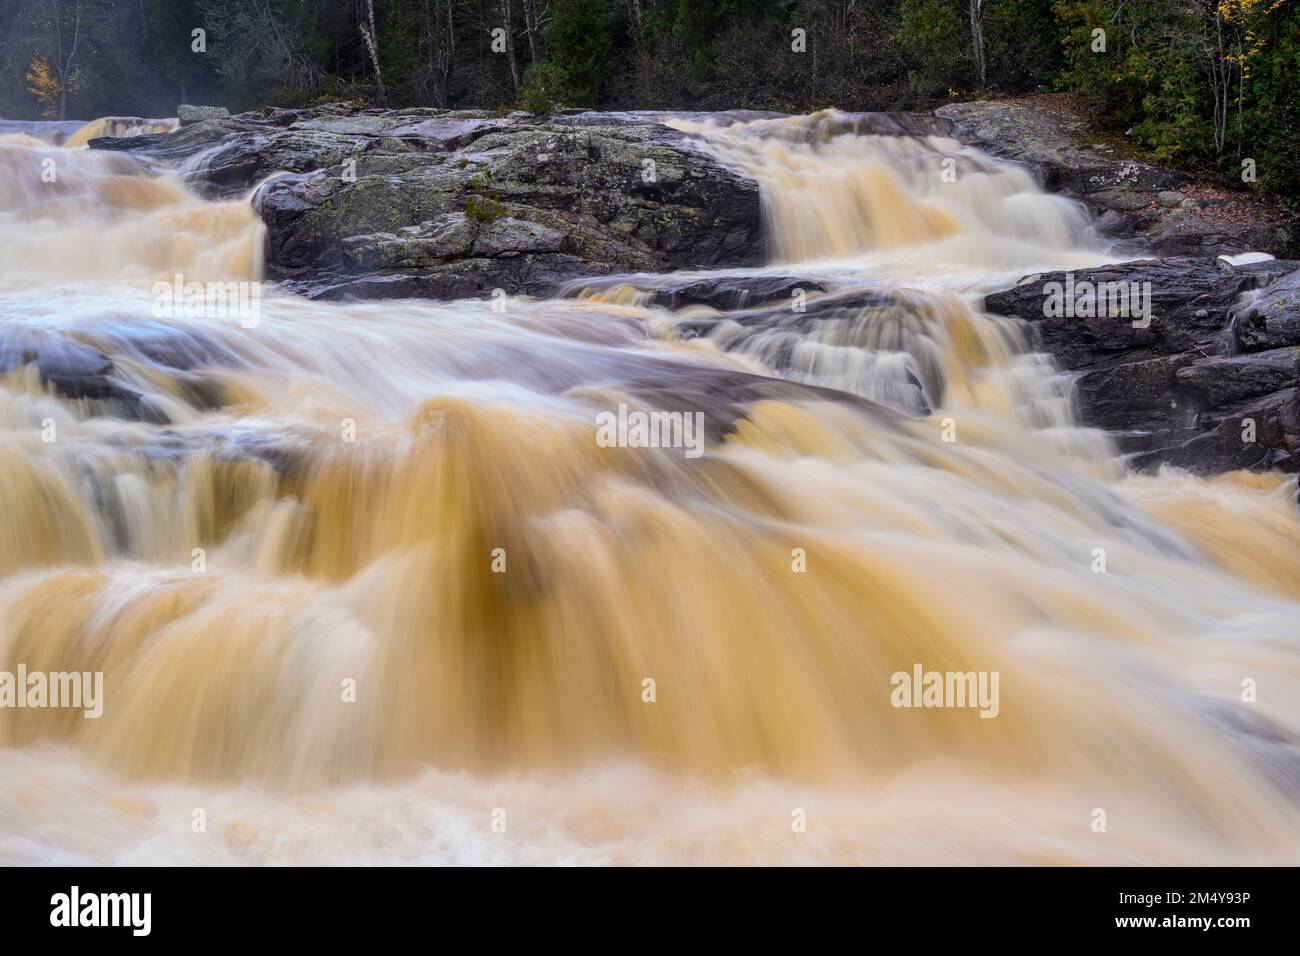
[(1220, 380), (1273, 318), (1178, 390), (450, 204), (721, 292), (1058, 144), (1260, 434), (74, 371), (1191, 301)]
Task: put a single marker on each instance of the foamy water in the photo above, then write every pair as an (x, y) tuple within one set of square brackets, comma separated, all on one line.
[(331, 562)]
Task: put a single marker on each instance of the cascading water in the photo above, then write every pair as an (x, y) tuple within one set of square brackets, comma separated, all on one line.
[(350, 475)]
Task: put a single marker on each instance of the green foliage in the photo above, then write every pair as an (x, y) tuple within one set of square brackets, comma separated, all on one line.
[(1022, 42), (543, 88), (1270, 129), (1165, 66), (1156, 79), (1117, 79), (934, 39), (481, 183), (483, 209), (398, 55), (700, 24), (1171, 119), (581, 49)]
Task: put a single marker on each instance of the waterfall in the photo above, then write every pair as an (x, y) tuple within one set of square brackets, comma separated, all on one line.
[(358, 573)]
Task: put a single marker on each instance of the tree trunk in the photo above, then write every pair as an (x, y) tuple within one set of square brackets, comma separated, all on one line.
[(64, 65), (58, 59), (1222, 89), (368, 32), (977, 38), (812, 39), (451, 52), (510, 44), (1241, 97), (530, 27)]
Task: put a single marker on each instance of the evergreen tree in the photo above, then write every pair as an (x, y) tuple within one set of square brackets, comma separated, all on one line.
[(581, 48)]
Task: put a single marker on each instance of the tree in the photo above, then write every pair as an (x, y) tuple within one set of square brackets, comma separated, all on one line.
[(441, 47), (368, 34), (977, 39), (66, 43), (42, 84), (259, 50), (510, 43), (581, 47), (536, 16), (930, 37)]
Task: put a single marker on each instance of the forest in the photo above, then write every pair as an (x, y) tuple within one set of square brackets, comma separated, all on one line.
[(1201, 84)]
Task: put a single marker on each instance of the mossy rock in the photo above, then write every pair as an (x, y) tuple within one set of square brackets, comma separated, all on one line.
[(483, 209)]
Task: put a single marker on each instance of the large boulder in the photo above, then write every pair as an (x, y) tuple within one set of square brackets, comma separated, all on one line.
[(1273, 318), (1179, 388), (449, 204)]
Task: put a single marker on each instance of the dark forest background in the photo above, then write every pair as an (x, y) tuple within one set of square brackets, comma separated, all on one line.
[(1201, 83)]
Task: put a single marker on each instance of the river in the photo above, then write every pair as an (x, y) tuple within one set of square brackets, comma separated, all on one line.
[(365, 588)]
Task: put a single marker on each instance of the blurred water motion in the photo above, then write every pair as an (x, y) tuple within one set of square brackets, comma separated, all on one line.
[(206, 532)]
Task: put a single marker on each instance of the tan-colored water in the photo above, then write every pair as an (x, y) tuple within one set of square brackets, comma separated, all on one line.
[(328, 562)]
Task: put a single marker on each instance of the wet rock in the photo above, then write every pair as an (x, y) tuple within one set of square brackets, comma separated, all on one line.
[(721, 292), (74, 371), (1273, 318), (1191, 301), (1115, 224), (1058, 143), (841, 330), (376, 203), (1176, 389), (197, 114), (1261, 434), (779, 316), (1220, 380), (738, 292)]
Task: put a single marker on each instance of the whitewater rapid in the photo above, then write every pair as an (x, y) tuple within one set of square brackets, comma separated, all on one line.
[(348, 472)]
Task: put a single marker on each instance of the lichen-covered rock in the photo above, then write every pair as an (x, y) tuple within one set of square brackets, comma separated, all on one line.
[(448, 204), (197, 114)]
